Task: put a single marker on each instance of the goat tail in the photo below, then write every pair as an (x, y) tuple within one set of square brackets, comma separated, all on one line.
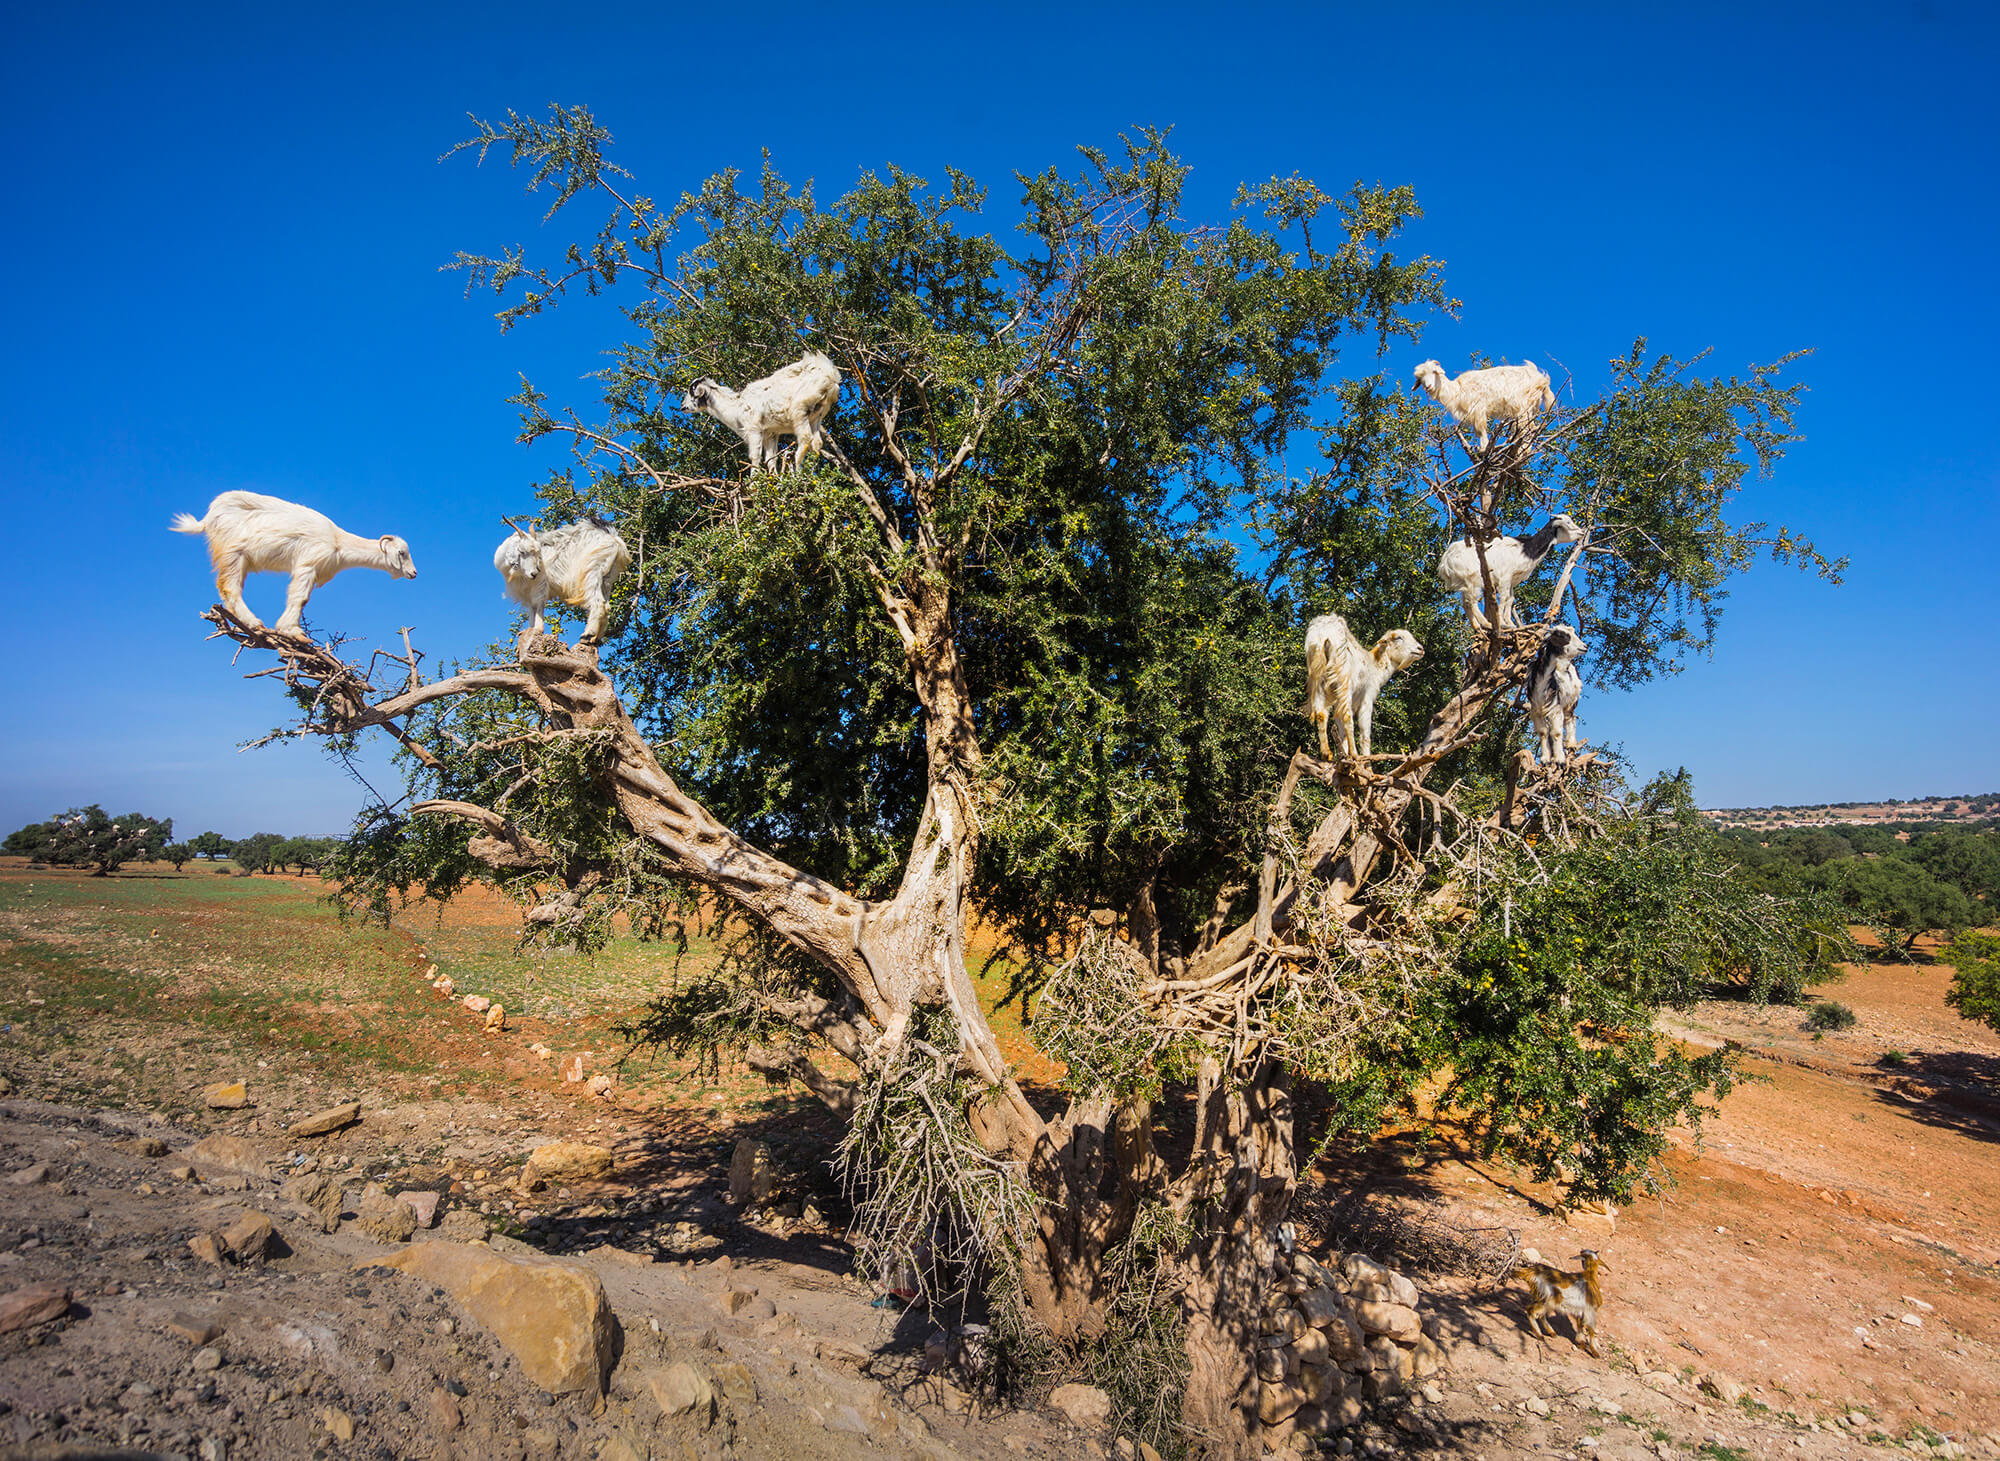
[(184, 523)]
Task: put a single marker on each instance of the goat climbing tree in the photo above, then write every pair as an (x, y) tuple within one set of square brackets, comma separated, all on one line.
[(1001, 648)]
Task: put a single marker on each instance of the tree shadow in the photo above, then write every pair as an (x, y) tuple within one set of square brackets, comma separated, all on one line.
[(1954, 1090)]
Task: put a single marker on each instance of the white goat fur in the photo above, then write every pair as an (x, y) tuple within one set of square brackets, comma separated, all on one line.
[(788, 402), (1344, 678), (1510, 561), (571, 565), (1554, 687), (1478, 398), (248, 532)]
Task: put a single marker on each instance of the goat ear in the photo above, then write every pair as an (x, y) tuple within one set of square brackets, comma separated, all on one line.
[(388, 542)]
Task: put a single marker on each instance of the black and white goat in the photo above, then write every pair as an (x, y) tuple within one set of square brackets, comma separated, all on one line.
[(1554, 687), (572, 565), (788, 402), (1344, 678), (248, 532), (1510, 561)]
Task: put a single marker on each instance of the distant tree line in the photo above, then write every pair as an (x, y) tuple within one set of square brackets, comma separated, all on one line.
[(87, 837), (1930, 879)]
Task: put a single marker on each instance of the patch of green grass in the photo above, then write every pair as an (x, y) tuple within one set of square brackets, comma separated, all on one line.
[(1716, 1451)]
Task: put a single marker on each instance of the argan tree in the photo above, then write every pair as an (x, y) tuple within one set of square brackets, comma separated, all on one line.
[(1024, 641), (89, 837)]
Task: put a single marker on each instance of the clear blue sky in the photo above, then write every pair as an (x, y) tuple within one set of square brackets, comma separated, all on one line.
[(225, 226)]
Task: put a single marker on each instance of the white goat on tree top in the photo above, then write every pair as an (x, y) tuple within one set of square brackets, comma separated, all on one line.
[(1344, 678), (248, 532), (1510, 562), (788, 402), (1478, 398), (572, 565)]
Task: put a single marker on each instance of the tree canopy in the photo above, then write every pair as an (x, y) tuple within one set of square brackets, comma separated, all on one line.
[(88, 837), (1024, 641)]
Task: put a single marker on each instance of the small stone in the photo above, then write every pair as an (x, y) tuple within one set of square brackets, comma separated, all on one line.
[(181, 1173), (322, 1122), (680, 1388), (141, 1146), (737, 1383), (249, 1237), (1278, 1402), (195, 1331), (600, 1085), (443, 985), (734, 1301), (338, 1422), (1085, 1406), (384, 1361), (208, 1358), (37, 1303), (1721, 1387), (573, 1069), (1535, 1405), (208, 1247), (496, 1019), (1432, 1395), (444, 1409), (226, 1096), (561, 1162), (752, 1176), (320, 1192), (1915, 1321), (30, 1176), (479, 1004), (213, 1154), (619, 1449), (383, 1218), (423, 1206)]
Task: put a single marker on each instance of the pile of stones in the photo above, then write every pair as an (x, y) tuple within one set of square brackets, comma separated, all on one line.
[(1335, 1338)]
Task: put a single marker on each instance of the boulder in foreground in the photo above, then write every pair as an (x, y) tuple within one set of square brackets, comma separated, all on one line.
[(552, 1316)]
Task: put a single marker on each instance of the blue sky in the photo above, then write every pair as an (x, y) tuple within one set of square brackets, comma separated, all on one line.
[(226, 224)]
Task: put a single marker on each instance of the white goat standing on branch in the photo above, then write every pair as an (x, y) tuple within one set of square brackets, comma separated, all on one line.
[(1554, 687), (572, 565), (1510, 562), (789, 402), (1478, 398), (248, 532), (1344, 678)]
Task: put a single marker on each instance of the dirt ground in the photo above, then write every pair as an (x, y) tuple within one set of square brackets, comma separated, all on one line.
[(1829, 1252)]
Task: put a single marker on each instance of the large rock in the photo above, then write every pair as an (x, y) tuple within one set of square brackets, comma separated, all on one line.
[(1715, 1383), (752, 1176), (1085, 1406), (251, 1237), (423, 1206), (1277, 1402), (331, 1119), (226, 1096), (551, 1316), (35, 1304), (1398, 1321), (216, 1154), (565, 1161)]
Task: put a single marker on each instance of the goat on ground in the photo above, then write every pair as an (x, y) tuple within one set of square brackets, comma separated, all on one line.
[(789, 402), (571, 565), (1554, 687), (248, 532), (1579, 1295), (1478, 398), (1510, 562), (1344, 678)]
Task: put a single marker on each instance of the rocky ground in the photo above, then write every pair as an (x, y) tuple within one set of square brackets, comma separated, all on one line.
[(1820, 1280)]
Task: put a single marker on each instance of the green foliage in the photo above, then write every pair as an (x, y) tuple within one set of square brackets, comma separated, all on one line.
[(1541, 1019), (87, 837), (211, 845), (177, 853), (1975, 983), (1939, 879), (1896, 893), (1829, 1014), (257, 853)]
